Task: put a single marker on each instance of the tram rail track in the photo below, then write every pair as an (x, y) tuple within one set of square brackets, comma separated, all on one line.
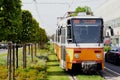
[(107, 73), (72, 77)]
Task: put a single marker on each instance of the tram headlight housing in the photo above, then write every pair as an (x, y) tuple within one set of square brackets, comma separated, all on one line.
[(98, 55), (77, 55)]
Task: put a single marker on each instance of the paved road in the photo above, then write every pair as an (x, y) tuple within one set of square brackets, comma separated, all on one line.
[(3, 51), (113, 67)]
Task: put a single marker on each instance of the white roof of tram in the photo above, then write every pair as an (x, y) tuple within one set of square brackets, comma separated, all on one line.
[(63, 22)]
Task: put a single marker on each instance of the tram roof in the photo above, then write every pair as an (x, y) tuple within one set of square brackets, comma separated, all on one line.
[(63, 22)]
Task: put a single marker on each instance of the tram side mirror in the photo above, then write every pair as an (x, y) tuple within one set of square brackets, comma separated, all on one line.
[(111, 31), (69, 40), (59, 31), (68, 22)]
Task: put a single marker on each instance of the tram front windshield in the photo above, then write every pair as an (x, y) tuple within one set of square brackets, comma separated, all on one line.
[(87, 30)]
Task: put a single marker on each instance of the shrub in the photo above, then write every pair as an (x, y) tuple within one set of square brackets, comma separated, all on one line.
[(3, 72), (107, 48), (36, 71)]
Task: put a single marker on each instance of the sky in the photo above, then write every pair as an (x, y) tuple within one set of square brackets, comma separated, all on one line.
[(47, 11)]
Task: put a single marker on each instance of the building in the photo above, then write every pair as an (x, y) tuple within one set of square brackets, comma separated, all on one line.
[(110, 11)]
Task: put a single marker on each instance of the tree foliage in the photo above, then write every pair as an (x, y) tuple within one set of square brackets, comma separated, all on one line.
[(1, 18), (10, 19), (82, 9), (26, 26), (35, 31), (31, 32), (18, 25)]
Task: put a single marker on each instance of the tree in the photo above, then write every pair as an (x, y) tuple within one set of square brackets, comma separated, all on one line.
[(12, 19), (43, 38), (35, 28), (30, 33), (26, 26), (25, 32), (10, 22), (35, 34)]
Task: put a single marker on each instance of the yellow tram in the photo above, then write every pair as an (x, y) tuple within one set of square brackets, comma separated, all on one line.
[(78, 42)]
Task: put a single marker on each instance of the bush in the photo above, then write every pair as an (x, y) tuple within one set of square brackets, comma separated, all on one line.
[(107, 48), (3, 72), (36, 71)]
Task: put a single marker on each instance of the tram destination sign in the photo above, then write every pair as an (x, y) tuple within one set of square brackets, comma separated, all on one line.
[(87, 21)]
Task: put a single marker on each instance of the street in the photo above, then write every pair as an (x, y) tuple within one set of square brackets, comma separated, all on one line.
[(3, 51), (112, 67)]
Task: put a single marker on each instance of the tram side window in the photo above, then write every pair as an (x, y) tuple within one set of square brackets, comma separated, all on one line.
[(59, 34), (63, 35), (56, 36), (69, 36)]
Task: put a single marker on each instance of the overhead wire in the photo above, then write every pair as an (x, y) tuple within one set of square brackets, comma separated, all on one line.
[(36, 8), (69, 6), (45, 3), (56, 3)]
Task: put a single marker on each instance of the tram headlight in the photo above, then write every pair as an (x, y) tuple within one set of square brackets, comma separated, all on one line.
[(98, 55), (77, 55)]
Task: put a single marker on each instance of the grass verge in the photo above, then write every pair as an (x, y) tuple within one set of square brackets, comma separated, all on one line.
[(54, 72), (89, 77)]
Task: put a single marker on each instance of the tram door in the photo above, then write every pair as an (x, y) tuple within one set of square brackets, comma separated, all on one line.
[(63, 52)]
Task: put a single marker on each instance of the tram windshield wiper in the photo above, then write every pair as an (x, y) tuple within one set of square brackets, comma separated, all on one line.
[(99, 43), (99, 40), (75, 39)]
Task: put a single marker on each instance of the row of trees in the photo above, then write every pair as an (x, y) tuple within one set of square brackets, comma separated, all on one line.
[(18, 26)]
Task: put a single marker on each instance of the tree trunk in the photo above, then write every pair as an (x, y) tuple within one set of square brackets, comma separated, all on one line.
[(39, 45), (24, 55), (29, 49), (13, 63), (32, 52), (35, 49), (16, 56), (9, 60), (8, 55)]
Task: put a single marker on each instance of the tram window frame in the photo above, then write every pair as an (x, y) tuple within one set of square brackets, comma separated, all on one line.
[(68, 22), (56, 35), (69, 34), (59, 31)]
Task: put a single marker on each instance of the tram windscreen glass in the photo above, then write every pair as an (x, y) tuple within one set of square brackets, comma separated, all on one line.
[(87, 30)]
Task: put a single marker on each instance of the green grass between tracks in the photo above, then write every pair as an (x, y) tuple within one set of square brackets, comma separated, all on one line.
[(54, 72), (89, 77)]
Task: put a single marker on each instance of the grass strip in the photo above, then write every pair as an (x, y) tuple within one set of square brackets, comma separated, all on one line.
[(54, 71), (89, 77)]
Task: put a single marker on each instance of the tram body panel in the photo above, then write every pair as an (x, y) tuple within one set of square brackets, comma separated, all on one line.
[(80, 55), (58, 51)]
